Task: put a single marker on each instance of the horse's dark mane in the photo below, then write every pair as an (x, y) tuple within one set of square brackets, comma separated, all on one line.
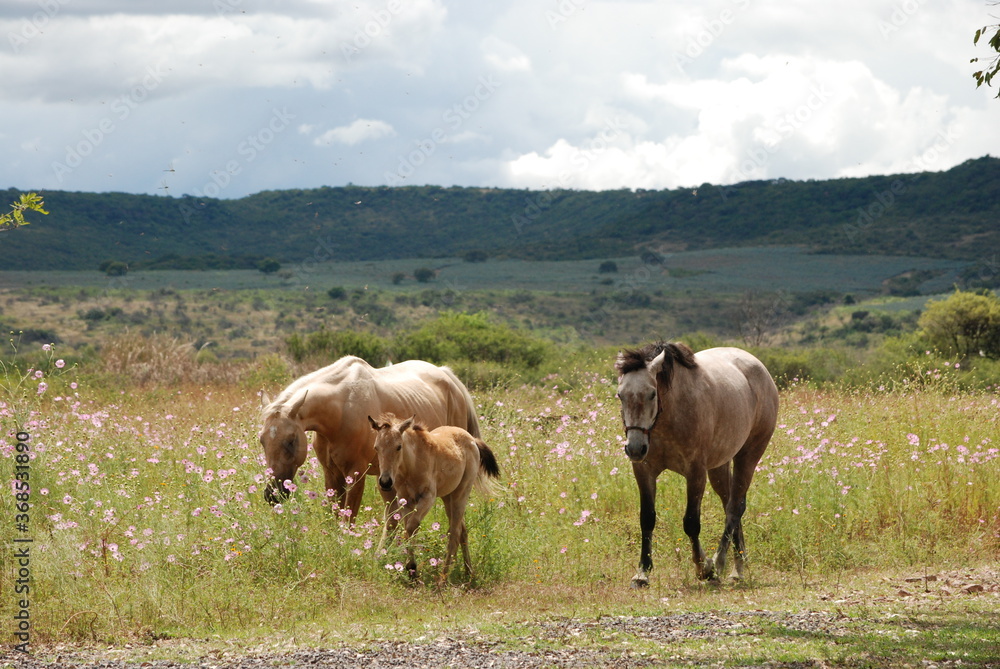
[(630, 360)]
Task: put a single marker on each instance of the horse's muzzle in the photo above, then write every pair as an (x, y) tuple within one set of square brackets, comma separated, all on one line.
[(275, 493), (637, 449), (385, 482)]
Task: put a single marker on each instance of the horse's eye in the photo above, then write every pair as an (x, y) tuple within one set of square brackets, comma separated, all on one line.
[(399, 447), (652, 396)]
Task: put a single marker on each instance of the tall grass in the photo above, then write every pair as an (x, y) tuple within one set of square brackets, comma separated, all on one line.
[(148, 517)]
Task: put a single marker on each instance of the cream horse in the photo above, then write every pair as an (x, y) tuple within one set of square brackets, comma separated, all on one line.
[(335, 402)]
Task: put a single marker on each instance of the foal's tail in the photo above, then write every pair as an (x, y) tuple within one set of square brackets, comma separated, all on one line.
[(487, 461), (488, 467)]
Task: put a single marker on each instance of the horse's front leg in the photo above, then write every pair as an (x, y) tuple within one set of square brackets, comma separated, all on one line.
[(705, 569), (392, 515), (419, 505), (355, 488), (333, 476), (646, 480)]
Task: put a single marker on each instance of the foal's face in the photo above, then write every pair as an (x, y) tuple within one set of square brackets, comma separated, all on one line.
[(389, 449), (285, 448), (638, 393)]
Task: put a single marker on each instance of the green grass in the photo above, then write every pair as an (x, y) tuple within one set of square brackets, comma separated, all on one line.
[(162, 488)]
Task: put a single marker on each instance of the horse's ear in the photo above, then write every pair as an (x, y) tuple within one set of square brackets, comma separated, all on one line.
[(406, 424), (265, 399), (375, 426), (294, 411), (655, 365)]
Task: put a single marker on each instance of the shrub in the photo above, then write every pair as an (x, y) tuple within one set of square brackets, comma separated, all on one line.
[(113, 268), (330, 346), (815, 365), (965, 324), (608, 267), (268, 266), (472, 337), (423, 274)]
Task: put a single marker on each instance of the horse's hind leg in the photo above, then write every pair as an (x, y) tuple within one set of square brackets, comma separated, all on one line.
[(721, 479), (744, 466), (458, 535)]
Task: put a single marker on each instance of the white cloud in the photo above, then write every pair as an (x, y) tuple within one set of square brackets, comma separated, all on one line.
[(361, 130), (717, 91), (504, 56)]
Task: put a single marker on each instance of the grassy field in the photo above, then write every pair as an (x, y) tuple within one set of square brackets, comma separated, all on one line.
[(161, 488), (718, 270), (242, 314)]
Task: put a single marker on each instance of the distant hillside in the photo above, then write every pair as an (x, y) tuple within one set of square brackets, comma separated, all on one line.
[(951, 214)]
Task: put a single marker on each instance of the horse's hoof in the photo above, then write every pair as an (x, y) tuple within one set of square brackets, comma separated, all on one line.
[(640, 583)]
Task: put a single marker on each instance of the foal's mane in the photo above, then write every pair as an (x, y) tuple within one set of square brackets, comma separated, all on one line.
[(390, 418), (634, 359)]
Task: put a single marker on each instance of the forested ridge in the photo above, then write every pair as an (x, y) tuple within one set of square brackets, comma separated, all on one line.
[(949, 214)]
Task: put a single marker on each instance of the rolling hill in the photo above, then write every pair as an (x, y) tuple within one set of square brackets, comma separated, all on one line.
[(951, 214)]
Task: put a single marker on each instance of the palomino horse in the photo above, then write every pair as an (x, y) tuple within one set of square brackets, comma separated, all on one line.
[(422, 465), (335, 401), (694, 414)]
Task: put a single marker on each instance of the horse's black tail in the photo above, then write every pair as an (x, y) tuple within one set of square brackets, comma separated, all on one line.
[(487, 461)]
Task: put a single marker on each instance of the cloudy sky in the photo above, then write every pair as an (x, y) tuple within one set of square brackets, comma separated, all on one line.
[(223, 98)]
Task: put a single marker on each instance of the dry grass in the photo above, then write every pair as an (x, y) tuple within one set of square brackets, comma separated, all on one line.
[(162, 360)]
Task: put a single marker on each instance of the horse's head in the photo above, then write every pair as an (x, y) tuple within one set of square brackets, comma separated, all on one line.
[(642, 376), (285, 446), (389, 447)]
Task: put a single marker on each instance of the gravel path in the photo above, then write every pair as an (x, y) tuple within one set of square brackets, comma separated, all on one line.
[(569, 642), (554, 644)]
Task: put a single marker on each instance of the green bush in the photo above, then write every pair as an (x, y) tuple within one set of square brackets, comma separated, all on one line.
[(325, 346), (965, 324), (456, 337), (814, 365)]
